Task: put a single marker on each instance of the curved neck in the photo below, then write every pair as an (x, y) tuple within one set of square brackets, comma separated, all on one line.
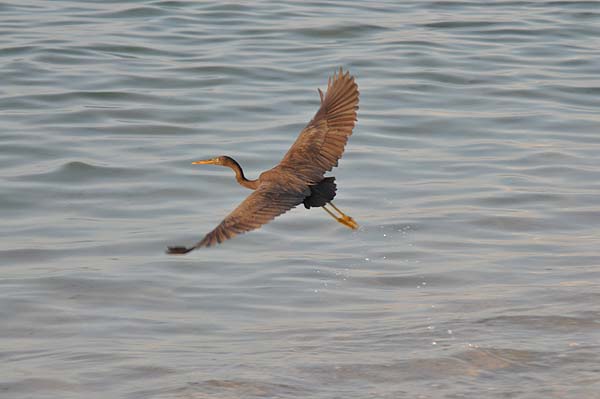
[(239, 174)]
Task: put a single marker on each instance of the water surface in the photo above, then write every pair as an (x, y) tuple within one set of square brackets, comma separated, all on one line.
[(473, 171)]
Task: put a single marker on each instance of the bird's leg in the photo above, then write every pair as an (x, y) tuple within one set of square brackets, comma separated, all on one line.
[(347, 220), (344, 219)]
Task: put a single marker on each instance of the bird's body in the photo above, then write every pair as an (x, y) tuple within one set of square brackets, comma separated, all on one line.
[(299, 177)]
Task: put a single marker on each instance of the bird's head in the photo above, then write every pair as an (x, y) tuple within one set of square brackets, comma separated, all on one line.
[(222, 160)]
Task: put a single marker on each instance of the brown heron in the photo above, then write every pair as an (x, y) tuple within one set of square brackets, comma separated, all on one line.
[(299, 177)]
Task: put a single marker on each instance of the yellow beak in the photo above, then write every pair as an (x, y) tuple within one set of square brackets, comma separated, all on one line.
[(204, 162)]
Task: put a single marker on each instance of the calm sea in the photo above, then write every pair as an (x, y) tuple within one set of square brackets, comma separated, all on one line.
[(474, 172)]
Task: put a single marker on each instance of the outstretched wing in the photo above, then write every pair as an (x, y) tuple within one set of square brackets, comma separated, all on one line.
[(321, 143), (268, 201)]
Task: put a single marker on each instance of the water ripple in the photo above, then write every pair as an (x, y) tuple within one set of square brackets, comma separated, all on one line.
[(473, 172)]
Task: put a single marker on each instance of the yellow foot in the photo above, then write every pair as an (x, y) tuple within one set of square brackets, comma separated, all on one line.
[(343, 219), (348, 222)]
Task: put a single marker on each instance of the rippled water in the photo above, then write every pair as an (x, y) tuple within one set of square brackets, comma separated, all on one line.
[(474, 172)]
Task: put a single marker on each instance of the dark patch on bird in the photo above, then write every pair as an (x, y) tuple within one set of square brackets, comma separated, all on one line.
[(321, 194)]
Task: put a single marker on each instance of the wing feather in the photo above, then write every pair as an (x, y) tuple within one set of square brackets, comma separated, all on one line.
[(263, 205), (321, 143)]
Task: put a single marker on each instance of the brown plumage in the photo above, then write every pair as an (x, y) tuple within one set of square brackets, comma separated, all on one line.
[(299, 177)]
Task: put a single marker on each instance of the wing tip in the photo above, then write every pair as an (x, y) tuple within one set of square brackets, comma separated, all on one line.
[(339, 74), (179, 250), (342, 83)]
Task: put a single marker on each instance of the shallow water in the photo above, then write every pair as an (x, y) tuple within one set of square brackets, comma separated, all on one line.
[(473, 171)]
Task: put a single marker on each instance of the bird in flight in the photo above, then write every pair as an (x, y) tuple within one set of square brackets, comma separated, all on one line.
[(300, 176)]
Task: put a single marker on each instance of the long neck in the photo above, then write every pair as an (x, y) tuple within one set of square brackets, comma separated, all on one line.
[(239, 175)]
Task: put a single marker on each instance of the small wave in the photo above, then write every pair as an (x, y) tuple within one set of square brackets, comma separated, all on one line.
[(79, 171)]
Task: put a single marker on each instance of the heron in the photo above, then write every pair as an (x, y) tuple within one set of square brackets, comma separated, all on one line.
[(299, 178)]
